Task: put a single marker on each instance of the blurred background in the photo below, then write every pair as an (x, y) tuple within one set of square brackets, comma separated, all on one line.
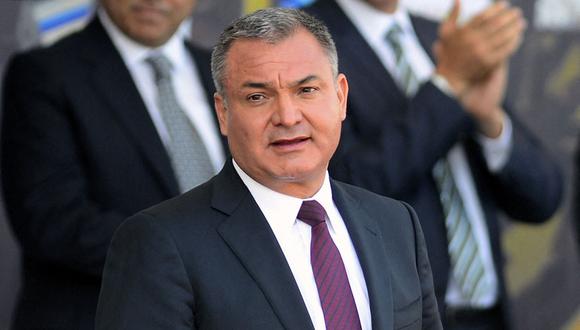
[(543, 262)]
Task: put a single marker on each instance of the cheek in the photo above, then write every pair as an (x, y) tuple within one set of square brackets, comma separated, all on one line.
[(249, 123), (182, 8), (242, 132), (249, 128), (328, 130)]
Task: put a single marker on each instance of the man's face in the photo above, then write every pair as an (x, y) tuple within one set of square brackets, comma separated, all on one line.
[(282, 111), (149, 22)]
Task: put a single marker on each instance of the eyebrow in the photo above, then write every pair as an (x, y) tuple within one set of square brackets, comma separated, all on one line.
[(252, 84)]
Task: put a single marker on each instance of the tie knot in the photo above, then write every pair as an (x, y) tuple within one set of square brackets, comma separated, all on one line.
[(161, 66), (394, 33), (312, 213)]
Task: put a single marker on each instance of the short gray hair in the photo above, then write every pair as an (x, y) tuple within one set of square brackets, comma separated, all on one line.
[(271, 25)]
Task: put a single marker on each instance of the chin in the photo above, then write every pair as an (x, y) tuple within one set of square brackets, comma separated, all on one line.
[(297, 174)]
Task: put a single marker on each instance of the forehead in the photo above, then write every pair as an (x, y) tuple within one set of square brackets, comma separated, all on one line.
[(297, 55)]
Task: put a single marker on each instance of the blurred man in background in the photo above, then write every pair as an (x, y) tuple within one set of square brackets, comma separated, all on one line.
[(427, 123), (106, 122)]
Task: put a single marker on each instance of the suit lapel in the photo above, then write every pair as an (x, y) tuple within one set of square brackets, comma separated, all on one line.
[(368, 243), (361, 63), (202, 60), (113, 81), (358, 61), (249, 236)]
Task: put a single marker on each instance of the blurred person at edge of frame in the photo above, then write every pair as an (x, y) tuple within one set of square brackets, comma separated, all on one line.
[(89, 138), (428, 124)]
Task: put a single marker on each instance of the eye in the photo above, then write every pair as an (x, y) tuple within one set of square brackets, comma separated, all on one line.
[(308, 90), (256, 97)]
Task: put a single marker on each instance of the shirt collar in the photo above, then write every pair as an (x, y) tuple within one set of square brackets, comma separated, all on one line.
[(373, 23), (134, 53), (278, 207)]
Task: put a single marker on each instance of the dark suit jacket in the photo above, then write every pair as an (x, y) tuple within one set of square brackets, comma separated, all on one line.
[(390, 144), (79, 155), (209, 260)]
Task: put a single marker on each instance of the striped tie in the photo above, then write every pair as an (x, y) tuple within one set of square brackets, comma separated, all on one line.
[(334, 291), (186, 150), (467, 265), (404, 75)]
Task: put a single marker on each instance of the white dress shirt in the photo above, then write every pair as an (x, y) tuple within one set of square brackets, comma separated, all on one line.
[(186, 81), (293, 236), (373, 25)]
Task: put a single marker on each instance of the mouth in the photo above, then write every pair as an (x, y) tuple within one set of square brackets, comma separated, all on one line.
[(291, 144)]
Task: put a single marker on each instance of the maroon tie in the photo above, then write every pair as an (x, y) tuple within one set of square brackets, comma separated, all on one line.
[(333, 287)]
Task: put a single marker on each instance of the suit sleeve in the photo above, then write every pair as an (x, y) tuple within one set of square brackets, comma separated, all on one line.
[(145, 284), (431, 317), (47, 196), (529, 187)]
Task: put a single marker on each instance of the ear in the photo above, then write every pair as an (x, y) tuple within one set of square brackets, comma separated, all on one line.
[(342, 93), (221, 111)]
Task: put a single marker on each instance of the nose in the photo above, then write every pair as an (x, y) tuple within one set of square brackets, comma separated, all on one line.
[(287, 112)]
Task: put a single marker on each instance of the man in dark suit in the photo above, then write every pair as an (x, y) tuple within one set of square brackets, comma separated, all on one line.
[(86, 144), (271, 242), (412, 114)]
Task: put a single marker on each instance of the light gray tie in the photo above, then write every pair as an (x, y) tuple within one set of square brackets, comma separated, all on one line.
[(466, 262), (187, 152), (406, 78)]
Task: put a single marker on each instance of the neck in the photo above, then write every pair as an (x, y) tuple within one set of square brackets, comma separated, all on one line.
[(388, 7), (300, 190)]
